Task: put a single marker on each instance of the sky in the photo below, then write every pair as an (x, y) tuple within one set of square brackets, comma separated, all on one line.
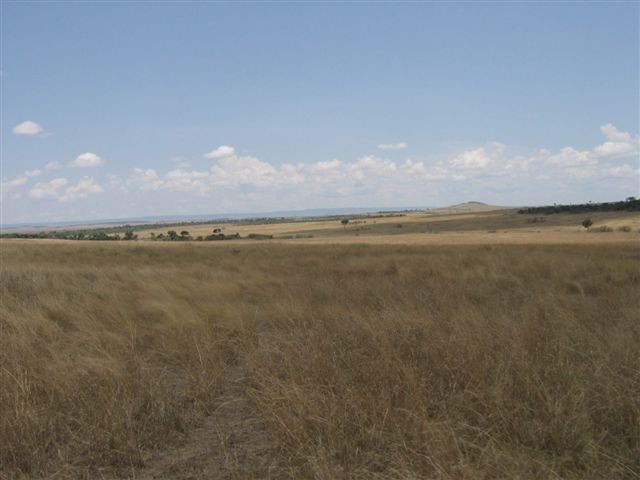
[(124, 109)]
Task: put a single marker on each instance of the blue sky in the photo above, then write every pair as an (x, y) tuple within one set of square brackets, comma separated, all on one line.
[(129, 109)]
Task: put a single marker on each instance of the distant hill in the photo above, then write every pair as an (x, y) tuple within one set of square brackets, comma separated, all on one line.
[(467, 207)]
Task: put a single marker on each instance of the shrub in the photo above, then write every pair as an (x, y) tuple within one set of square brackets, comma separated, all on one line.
[(624, 228), (587, 223)]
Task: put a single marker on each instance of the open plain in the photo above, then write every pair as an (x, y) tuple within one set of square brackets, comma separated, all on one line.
[(466, 346)]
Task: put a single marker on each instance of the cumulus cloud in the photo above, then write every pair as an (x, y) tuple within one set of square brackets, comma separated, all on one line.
[(59, 190), (87, 160), (612, 133), (19, 181), (471, 159), (50, 189), (570, 157), (181, 162), (621, 171), (618, 144), (145, 179), (393, 146), (243, 170), (28, 128), (414, 168), (84, 187), (13, 184), (489, 164), (221, 152), (231, 179), (53, 165)]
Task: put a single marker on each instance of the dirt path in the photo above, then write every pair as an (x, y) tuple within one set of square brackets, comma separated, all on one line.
[(231, 443)]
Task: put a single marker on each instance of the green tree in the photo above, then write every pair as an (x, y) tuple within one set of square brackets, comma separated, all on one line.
[(587, 223), (172, 234), (344, 222)]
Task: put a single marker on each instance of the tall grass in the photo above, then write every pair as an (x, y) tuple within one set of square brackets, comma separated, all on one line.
[(366, 362)]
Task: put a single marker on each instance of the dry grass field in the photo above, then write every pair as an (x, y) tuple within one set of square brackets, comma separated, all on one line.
[(237, 360), (482, 227)]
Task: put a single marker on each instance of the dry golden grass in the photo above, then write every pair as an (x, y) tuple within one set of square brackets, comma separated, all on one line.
[(436, 229), (353, 361)]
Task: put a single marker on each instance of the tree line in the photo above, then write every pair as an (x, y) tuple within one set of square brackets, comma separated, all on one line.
[(629, 204)]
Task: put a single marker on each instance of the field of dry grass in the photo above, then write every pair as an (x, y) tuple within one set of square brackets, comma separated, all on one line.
[(189, 360), (496, 226)]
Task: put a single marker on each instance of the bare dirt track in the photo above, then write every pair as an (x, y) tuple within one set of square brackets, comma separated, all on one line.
[(232, 441)]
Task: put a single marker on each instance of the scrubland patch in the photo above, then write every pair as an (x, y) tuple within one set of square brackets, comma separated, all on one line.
[(389, 362)]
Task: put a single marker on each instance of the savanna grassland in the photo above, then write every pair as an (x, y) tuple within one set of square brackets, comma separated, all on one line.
[(275, 360)]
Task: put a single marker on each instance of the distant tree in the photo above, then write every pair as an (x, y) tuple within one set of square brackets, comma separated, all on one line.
[(587, 223), (172, 234), (184, 233), (630, 199), (344, 222), (129, 235)]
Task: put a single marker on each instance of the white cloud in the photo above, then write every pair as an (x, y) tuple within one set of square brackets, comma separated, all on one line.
[(19, 181), (570, 157), (53, 165), (616, 149), (618, 144), (221, 152), (181, 162), (243, 171), (13, 184), (84, 187), (87, 160), (472, 159), (57, 189), (325, 166), (414, 168), (621, 171), (233, 180), (28, 128), (370, 166), (393, 146), (183, 181), (50, 189), (145, 179), (612, 133)]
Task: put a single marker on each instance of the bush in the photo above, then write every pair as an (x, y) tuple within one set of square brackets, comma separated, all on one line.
[(624, 228), (603, 229), (587, 223)]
